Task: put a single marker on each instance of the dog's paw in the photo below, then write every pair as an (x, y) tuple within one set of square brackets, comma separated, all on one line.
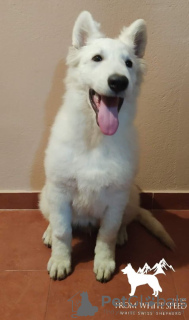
[(47, 237), (122, 236), (59, 268), (103, 269)]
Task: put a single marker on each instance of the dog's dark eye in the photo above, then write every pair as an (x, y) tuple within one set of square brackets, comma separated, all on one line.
[(97, 58), (129, 63)]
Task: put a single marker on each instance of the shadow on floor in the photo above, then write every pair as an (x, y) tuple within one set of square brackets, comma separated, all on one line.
[(142, 246)]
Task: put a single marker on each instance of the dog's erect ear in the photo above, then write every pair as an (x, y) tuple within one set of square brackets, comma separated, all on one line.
[(85, 28), (136, 33)]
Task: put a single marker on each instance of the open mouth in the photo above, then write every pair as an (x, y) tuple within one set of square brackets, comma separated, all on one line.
[(106, 109)]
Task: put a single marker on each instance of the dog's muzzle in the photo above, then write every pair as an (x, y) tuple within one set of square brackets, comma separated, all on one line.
[(118, 83), (106, 109)]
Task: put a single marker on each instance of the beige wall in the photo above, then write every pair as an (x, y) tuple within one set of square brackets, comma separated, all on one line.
[(34, 37)]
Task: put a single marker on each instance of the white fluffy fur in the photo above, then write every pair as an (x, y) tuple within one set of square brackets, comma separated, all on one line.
[(89, 175)]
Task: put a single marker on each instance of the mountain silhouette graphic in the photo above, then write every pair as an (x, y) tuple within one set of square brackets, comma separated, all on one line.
[(86, 308), (145, 269), (157, 268)]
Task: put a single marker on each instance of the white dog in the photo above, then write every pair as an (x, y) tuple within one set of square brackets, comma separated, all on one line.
[(135, 279), (91, 159)]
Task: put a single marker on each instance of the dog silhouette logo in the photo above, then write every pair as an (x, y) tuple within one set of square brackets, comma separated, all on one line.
[(141, 277), (84, 307)]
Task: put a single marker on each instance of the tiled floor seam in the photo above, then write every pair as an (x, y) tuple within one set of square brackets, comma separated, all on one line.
[(50, 283), (27, 270), (183, 316), (177, 293)]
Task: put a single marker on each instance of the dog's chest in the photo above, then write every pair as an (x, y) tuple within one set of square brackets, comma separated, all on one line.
[(95, 172), (90, 202), (91, 175), (99, 176)]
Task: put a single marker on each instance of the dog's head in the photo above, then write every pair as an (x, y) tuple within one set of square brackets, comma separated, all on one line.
[(126, 269), (109, 70)]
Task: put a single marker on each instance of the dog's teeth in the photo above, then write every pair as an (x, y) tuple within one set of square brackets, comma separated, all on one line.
[(97, 97)]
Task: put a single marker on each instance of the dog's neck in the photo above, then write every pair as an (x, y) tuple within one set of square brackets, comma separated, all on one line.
[(130, 274)]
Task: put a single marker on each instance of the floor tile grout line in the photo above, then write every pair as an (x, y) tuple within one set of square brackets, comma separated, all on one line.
[(50, 282), (177, 292), (26, 270), (166, 257)]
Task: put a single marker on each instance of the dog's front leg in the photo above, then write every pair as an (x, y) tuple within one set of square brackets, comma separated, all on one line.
[(59, 265), (133, 288), (104, 262)]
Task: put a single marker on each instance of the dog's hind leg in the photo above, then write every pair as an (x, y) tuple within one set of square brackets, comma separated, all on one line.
[(43, 203), (122, 236), (155, 293), (129, 215), (47, 236)]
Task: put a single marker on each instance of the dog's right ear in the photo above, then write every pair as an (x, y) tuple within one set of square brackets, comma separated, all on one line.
[(137, 34), (85, 28)]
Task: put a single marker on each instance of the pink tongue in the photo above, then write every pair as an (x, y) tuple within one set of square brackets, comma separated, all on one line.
[(108, 115)]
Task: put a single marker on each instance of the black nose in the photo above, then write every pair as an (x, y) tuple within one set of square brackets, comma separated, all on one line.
[(117, 83)]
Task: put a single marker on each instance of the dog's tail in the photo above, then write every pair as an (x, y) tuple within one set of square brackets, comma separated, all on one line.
[(153, 225)]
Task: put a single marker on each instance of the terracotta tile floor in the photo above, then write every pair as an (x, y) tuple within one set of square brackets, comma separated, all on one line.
[(27, 293)]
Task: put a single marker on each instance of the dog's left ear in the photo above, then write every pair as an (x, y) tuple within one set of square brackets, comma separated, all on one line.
[(136, 33), (85, 28)]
